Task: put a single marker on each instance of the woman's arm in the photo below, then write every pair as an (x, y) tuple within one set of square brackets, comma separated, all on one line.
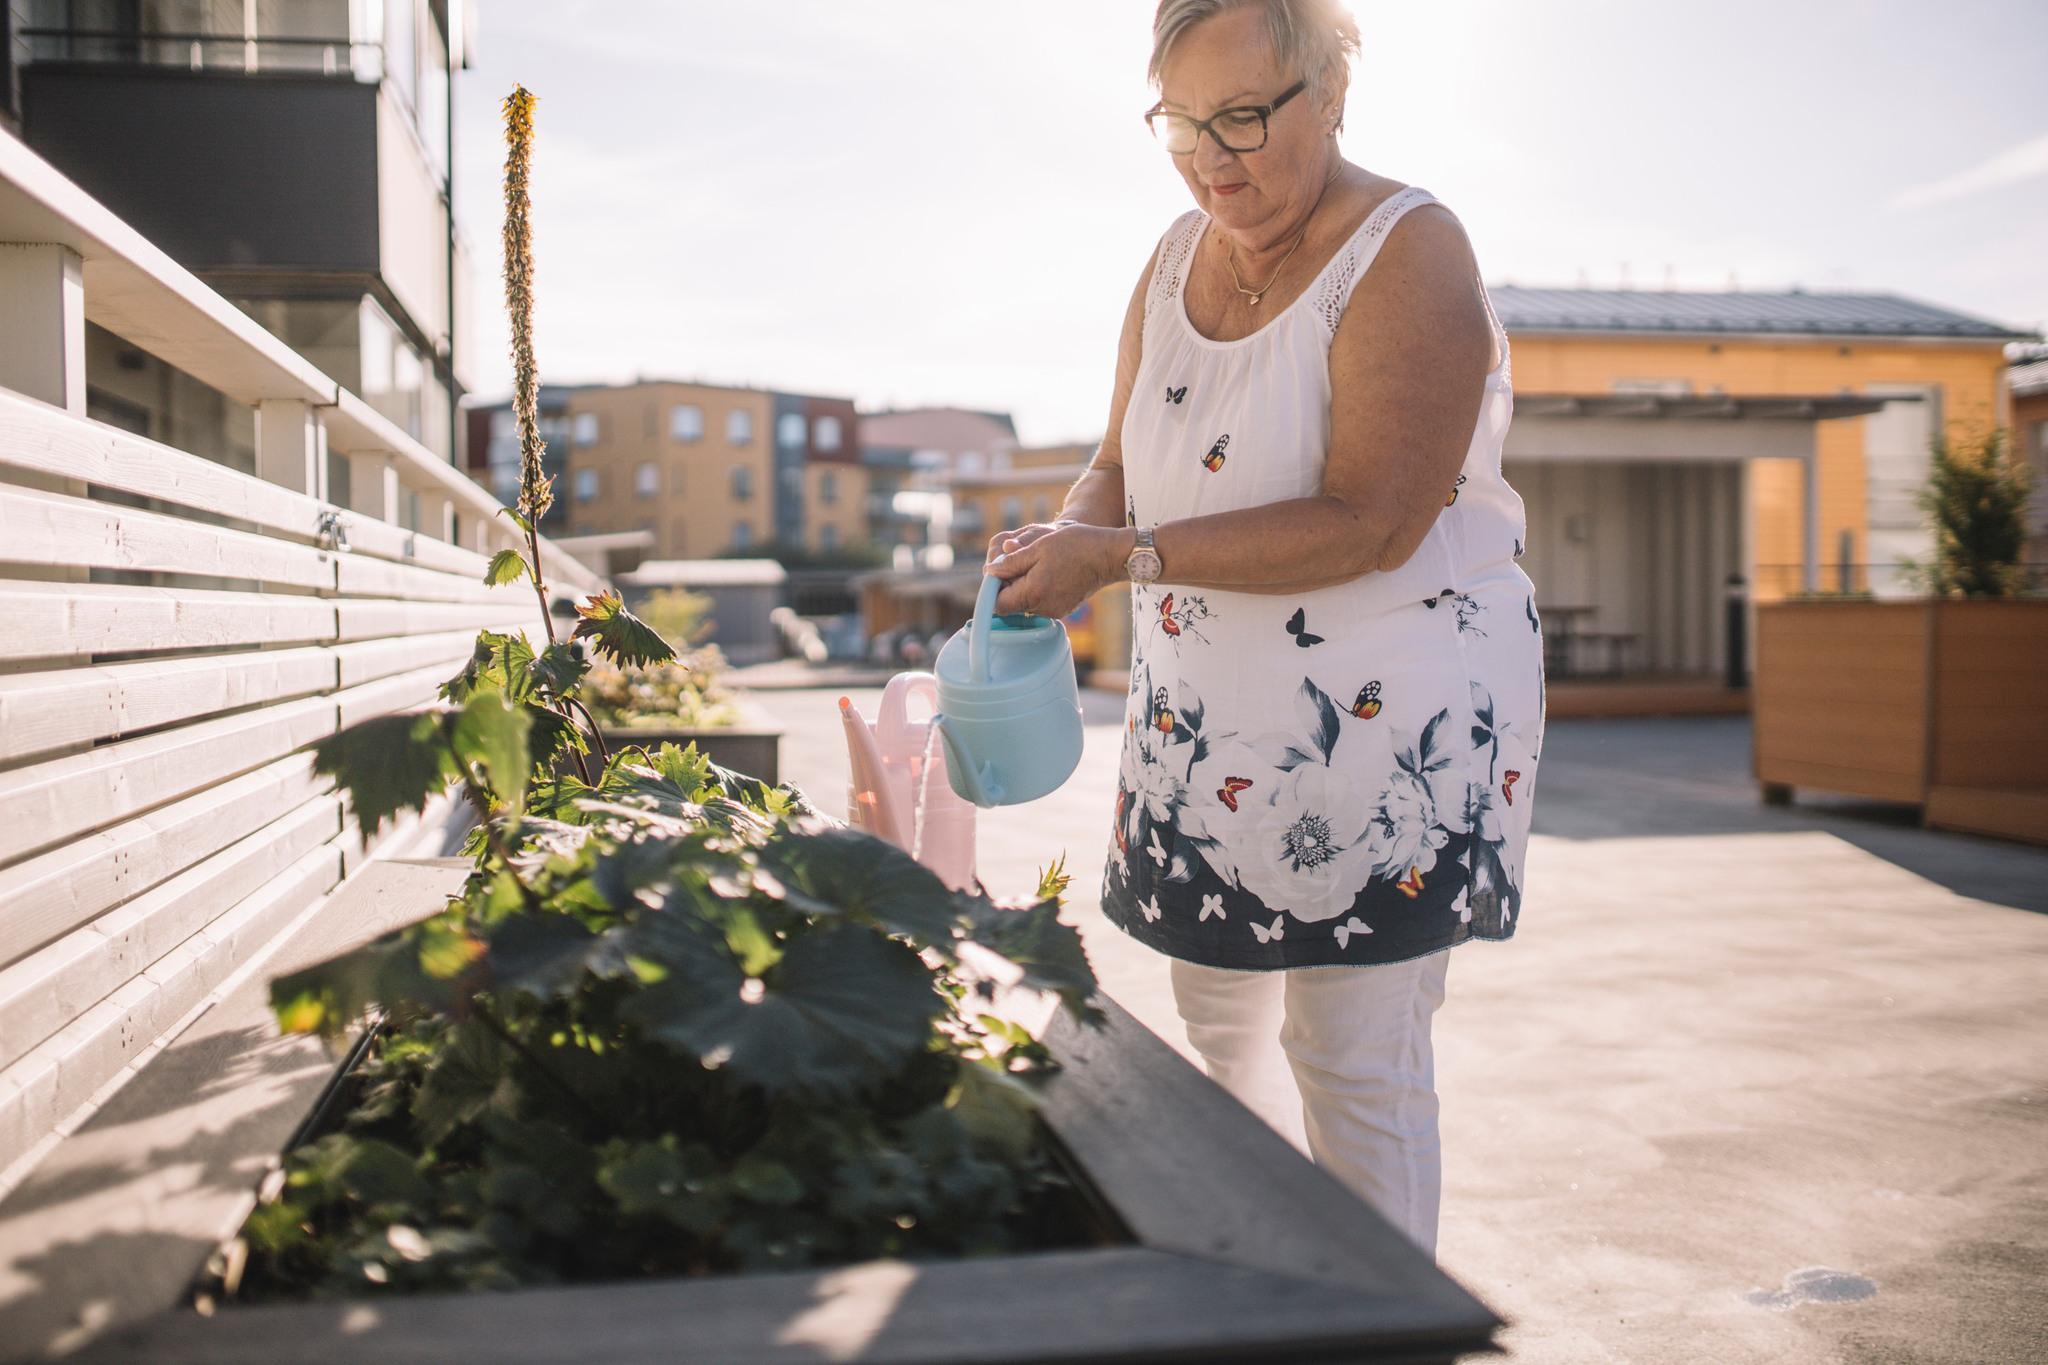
[(1407, 374)]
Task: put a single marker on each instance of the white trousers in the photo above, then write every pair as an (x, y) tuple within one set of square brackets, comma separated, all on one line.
[(1338, 1060)]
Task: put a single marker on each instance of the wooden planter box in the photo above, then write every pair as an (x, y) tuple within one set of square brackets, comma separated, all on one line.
[(1937, 704), (753, 747), (1240, 1249)]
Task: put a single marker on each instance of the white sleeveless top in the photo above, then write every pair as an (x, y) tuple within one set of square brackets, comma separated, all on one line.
[(1335, 776)]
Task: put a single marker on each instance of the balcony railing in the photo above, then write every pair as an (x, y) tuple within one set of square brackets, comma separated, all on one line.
[(174, 636), (207, 51)]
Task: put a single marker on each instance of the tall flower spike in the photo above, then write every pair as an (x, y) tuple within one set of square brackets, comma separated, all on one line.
[(535, 494)]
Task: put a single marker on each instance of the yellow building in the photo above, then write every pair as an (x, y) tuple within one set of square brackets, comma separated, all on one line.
[(1665, 441), (1016, 488), (703, 469)]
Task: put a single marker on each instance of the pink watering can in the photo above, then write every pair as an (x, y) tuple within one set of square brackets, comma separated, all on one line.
[(900, 789)]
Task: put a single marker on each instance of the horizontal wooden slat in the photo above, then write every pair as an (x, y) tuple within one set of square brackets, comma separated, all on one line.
[(362, 577), (43, 992), (48, 440), (41, 620), (373, 659), (63, 1072), (40, 712), (400, 693), (55, 892), (372, 620), (47, 803), (53, 530)]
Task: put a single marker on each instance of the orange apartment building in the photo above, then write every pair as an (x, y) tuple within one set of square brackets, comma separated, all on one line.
[(703, 469)]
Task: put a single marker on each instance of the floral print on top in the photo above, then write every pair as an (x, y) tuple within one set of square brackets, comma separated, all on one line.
[(1341, 776)]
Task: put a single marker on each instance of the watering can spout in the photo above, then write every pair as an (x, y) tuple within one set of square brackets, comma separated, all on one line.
[(970, 779)]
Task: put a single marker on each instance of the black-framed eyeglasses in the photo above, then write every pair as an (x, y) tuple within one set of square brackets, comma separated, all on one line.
[(1240, 128)]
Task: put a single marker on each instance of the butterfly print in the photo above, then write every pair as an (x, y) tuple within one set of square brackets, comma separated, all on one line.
[(1518, 549), (1532, 617), (1174, 395), (1507, 785), (1453, 498), (1178, 614), (1368, 703), (1431, 602), (1274, 934), (1213, 461), (1151, 908), (1297, 626), (1130, 511), (1211, 905), (1411, 885), (1162, 714), (1227, 793), (1348, 928), (1123, 802)]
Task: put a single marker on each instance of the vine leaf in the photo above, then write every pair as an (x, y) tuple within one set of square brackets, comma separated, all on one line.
[(1048, 950), (388, 764), (618, 633), (843, 871), (490, 734), (506, 566)]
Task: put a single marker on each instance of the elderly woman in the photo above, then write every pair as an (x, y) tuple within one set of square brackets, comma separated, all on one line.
[(1336, 699)]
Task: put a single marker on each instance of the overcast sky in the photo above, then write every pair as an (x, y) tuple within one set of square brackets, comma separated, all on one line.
[(945, 201)]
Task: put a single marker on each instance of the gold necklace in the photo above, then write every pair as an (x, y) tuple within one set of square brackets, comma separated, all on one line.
[(1230, 248)]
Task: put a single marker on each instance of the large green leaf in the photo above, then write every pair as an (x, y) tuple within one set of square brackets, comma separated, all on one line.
[(468, 1074), (423, 968), (500, 662), (843, 1006), (546, 956), (490, 736), (388, 764), (845, 871), (618, 633), (1048, 949)]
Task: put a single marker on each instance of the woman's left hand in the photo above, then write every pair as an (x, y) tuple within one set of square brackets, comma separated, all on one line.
[(1053, 569)]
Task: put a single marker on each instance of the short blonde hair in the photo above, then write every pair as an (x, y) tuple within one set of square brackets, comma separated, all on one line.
[(1315, 38)]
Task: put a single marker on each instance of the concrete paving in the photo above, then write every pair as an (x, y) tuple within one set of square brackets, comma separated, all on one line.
[(1751, 1084)]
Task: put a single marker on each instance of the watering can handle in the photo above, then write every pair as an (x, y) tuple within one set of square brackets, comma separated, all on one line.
[(978, 628)]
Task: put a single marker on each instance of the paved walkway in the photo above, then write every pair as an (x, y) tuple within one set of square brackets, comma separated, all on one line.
[(1752, 1085)]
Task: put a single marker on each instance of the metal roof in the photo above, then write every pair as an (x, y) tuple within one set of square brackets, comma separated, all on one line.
[(2029, 379), (1734, 311)]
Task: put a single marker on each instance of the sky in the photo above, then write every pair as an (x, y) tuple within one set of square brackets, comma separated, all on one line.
[(912, 202)]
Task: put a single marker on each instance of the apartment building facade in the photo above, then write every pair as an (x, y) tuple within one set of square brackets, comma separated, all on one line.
[(297, 156), (703, 469)]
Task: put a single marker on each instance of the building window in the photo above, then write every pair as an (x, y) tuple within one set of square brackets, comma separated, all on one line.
[(970, 463), (828, 537), (584, 427), (586, 484), (739, 427), (828, 487), (742, 535), (742, 482), (686, 422), (647, 479), (825, 433), (789, 431)]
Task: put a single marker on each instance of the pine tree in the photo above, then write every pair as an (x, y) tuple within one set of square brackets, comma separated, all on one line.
[(1976, 496)]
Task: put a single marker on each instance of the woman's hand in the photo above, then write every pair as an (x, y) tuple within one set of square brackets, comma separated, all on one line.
[(1050, 569)]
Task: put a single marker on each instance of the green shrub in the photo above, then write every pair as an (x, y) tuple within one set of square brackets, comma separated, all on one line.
[(1977, 499)]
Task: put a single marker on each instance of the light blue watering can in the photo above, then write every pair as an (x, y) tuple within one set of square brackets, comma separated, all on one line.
[(1009, 710)]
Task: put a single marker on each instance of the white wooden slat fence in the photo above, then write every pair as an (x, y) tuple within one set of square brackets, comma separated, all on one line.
[(174, 636)]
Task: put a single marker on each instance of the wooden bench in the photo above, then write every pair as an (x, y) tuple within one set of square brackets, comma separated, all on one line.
[(174, 636)]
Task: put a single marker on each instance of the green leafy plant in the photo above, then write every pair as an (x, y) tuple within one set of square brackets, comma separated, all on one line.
[(684, 693), (678, 614), (674, 1022), (1976, 497)]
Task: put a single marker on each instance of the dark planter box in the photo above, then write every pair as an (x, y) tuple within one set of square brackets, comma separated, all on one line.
[(753, 746), (1241, 1250)]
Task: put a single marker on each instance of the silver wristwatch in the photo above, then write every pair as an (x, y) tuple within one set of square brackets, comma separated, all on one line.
[(1142, 564)]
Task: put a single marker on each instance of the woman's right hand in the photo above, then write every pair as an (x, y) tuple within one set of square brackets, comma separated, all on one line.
[(1007, 542)]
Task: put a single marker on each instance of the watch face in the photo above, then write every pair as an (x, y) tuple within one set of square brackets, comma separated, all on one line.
[(1143, 565)]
